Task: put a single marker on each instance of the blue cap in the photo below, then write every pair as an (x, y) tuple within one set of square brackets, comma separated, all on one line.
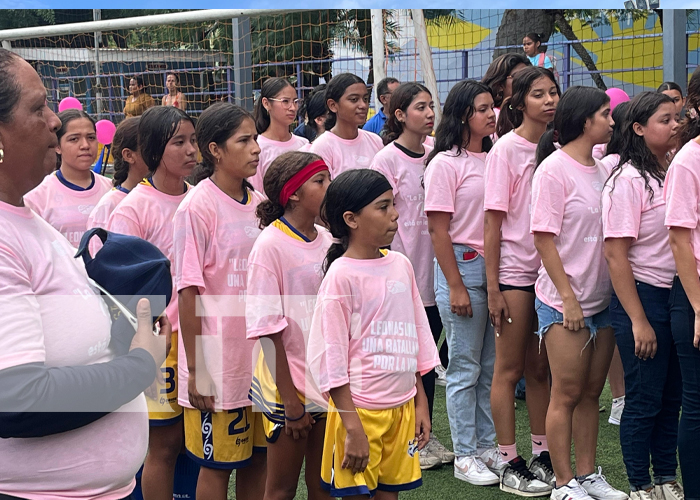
[(127, 268)]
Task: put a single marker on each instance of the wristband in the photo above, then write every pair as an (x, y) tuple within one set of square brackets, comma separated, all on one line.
[(288, 419)]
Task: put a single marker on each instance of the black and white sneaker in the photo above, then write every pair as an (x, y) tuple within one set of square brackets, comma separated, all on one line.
[(517, 479), (541, 466), (570, 491)]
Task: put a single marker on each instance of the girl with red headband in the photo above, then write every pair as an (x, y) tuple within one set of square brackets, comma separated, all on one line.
[(284, 274)]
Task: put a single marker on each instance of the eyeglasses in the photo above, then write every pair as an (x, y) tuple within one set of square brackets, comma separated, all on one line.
[(287, 103)]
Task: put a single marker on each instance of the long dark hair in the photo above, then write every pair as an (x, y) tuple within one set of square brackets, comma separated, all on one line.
[(498, 72), (619, 115), (66, 117), (459, 107), (157, 126), (401, 99), (634, 147), (690, 126), (283, 168), (126, 137), (536, 38), (335, 90), (351, 191), (314, 107), (217, 124), (270, 89), (577, 105), (670, 86), (10, 90), (511, 117)]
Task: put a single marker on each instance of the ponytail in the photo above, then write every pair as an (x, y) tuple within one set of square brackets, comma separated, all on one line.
[(545, 146), (336, 250), (125, 137), (509, 118)]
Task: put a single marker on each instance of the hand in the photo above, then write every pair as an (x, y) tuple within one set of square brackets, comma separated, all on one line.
[(696, 339), (201, 390), (356, 451), (459, 301), (297, 428), (644, 340), (157, 346), (573, 316), (423, 425), (498, 311)]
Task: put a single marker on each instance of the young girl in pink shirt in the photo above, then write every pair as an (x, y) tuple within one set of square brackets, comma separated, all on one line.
[(129, 170), (410, 118), (284, 274), (370, 343), (346, 146), (214, 230), (512, 262), (65, 198), (682, 195), (573, 286), (275, 111), (642, 270), (168, 147)]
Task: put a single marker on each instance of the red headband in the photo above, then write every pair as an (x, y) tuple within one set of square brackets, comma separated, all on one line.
[(298, 179)]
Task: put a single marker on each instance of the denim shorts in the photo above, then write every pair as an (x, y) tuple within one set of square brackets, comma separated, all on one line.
[(548, 316)]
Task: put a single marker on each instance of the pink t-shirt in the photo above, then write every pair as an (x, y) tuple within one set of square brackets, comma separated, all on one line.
[(65, 209), (405, 174), (429, 141), (682, 194), (599, 151), (212, 239), (370, 330), (269, 150), (342, 154), (99, 217), (284, 274), (508, 186), (51, 315), (566, 201), (630, 212), (454, 183), (148, 214), (609, 162)]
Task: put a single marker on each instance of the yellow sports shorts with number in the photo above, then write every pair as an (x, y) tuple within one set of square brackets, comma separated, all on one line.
[(225, 439), (164, 410), (264, 394), (393, 453)]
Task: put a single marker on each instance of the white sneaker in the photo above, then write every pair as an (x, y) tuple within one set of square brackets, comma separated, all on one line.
[(643, 495), (428, 460), (472, 470), (492, 459), (616, 411), (598, 488), (669, 491), (441, 373), (570, 491), (437, 449)]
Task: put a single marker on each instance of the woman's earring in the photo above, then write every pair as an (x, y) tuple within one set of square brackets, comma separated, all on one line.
[(2, 155)]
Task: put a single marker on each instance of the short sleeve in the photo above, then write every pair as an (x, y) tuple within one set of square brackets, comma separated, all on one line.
[(381, 165), (548, 199), (622, 208), (122, 222), (21, 329), (681, 192), (323, 149), (497, 179), (264, 312), (440, 186), (190, 241)]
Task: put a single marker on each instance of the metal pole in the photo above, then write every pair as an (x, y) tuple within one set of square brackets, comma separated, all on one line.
[(426, 60), (378, 51), (242, 63), (96, 16), (675, 47), (566, 66)]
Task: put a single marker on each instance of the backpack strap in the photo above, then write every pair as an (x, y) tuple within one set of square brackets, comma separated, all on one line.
[(540, 60)]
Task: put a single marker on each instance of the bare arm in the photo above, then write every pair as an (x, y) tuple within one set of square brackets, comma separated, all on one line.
[(423, 425), (356, 443), (498, 309)]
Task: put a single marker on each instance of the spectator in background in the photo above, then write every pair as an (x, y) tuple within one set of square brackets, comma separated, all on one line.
[(314, 114), (174, 97), (384, 89), (531, 46), (139, 101)]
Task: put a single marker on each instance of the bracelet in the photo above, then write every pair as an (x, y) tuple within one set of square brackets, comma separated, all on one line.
[(288, 419)]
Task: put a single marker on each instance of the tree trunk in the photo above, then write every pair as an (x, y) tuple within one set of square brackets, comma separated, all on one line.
[(566, 30), (516, 23)]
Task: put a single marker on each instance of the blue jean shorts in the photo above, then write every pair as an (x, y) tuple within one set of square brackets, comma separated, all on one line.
[(548, 316)]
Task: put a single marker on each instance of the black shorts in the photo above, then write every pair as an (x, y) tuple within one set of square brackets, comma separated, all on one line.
[(529, 288)]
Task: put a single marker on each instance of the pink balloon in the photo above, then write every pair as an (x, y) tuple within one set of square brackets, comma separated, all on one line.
[(69, 103), (616, 97), (105, 131)]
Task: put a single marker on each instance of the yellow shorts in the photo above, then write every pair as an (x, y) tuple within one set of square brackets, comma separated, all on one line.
[(226, 439), (393, 453), (165, 410), (266, 398)]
